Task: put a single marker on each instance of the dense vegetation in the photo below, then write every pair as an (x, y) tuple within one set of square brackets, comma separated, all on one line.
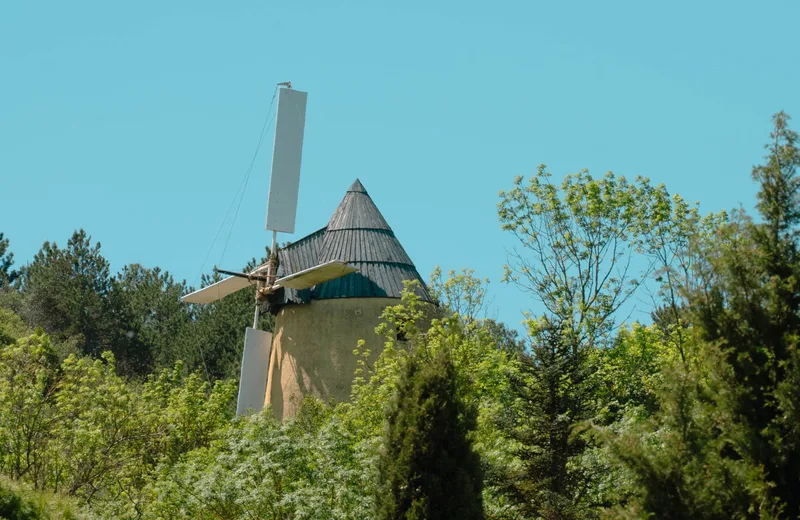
[(116, 401)]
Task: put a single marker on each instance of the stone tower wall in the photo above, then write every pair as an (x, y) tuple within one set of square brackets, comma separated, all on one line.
[(312, 349)]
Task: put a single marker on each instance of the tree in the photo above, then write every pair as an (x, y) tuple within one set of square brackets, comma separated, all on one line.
[(27, 388), (578, 243), (66, 292), (7, 275), (461, 293), (554, 394), (581, 257), (153, 319), (428, 468), (726, 442), (751, 315)]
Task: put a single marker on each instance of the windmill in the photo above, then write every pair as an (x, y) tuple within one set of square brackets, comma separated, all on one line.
[(281, 212)]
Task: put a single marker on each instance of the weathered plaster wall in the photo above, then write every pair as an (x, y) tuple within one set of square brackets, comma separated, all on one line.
[(312, 350)]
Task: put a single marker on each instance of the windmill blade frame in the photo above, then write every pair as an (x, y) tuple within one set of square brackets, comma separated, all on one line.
[(315, 275), (217, 291)]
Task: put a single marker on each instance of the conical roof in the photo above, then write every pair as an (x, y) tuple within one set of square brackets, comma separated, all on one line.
[(357, 211), (358, 234)]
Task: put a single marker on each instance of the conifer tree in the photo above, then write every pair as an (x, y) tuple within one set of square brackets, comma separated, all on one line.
[(66, 292), (753, 313), (554, 391), (7, 275), (728, 443), (428, 469)]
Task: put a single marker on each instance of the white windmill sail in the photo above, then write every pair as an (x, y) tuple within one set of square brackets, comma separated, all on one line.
[(284, 183), (218, 290), (253, 377), (299, 280), (315, 275)]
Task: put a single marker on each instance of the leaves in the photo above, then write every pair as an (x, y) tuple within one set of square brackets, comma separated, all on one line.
[(577, 245)]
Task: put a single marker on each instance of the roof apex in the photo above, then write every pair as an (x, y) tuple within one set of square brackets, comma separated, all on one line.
[(357, 211), (357, 187)]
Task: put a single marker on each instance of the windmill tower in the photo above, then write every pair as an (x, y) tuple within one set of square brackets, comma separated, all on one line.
[(327, 289), (317, 328)]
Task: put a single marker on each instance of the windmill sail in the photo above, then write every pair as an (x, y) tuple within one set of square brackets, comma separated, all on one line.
[(217, 291), (253, 378), (287, 154), (315, 275)]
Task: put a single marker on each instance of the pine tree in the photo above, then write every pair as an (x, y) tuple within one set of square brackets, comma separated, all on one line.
[(554, 394), (428, 469), (66, 292), (7, 275)]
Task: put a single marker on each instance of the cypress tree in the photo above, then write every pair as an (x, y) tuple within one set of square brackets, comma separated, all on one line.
[(428, 469)]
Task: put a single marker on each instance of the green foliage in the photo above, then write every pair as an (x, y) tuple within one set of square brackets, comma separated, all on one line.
[(481, 366), (7, 275), (554, 393), (630, 372), (136, 314), (779, 188), (27, 371), (725, 441), (428, 468), (577, 243), (461, 293), (80, 429), (152, 316), (308, 467), (66, 292), (20, 503), (11, 327)]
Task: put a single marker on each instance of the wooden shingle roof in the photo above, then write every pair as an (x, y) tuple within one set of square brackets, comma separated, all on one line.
[(358, 234)]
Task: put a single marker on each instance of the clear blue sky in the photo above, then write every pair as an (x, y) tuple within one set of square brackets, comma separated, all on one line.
[(137, 120)]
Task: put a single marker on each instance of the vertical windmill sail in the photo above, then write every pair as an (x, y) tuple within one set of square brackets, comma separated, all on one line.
[(284, 184)]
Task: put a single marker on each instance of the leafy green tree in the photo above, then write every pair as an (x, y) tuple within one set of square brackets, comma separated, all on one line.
[(81, 430), (752, 312), (581, 256), (28, 370), (113, 435), (461, 293), (12, 327), (7, 275), (308, 467), (577, 245), (676, 240), (428, 468)]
